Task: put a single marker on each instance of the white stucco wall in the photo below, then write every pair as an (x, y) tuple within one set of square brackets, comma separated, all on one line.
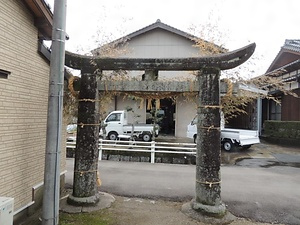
[(186, 110), (159, 43), (138, 115)]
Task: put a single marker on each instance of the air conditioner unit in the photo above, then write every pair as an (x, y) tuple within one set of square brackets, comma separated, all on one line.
[(6, 210)]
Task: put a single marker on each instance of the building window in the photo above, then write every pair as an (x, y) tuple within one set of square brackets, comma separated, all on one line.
[(275, 110), (4, 74)]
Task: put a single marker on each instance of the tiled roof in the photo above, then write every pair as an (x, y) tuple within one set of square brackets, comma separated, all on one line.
[(159, 24), (292, 44)]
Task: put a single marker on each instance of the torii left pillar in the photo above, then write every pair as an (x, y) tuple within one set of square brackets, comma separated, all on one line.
[(85, 190)]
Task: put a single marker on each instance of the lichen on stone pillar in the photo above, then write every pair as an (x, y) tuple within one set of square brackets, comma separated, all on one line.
[(85, 190), (208, 189)]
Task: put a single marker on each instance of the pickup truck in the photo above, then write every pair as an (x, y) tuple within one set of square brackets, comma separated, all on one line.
[(230, 138), (116, 125)]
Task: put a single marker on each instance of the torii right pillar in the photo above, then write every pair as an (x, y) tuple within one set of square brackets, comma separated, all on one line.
[(207, 201), (207, 205)]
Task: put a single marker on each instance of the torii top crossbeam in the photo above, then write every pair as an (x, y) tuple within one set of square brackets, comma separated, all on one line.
[(223, 61)]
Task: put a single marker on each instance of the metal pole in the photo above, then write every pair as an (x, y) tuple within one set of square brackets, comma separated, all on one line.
[(50, 214), (152, 151), (259, 115)]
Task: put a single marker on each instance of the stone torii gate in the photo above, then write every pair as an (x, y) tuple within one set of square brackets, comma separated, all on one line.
[(207, 203)]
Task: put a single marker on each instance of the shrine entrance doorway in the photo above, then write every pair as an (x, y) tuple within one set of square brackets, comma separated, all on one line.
[(165, 115)]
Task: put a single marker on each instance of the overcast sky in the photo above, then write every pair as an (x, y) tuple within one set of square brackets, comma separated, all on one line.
[(266, 22)]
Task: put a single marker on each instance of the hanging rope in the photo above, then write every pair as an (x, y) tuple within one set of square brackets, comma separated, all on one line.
[(142, 103), (210, 106), (98, 179), (210, 183), (87, 171), (88, 124), (212, 127), (157, 103), (89, 100), (149, 104), (229, 87), (71, 85)]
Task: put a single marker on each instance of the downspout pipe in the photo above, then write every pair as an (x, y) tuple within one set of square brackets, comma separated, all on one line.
[(50, 215)]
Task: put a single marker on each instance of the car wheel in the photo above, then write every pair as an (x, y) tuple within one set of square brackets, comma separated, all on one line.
[(147, 136), (228, 145), (113, 135)]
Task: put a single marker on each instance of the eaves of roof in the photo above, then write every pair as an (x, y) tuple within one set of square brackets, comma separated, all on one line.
[(288, 68), (293, 66), (43, 17)]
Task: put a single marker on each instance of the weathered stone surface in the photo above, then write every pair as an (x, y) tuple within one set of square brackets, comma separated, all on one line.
[(226, 218), (211, 210), (148, 86), (208, 190), (208, 161), (86, 155), (104, 200), (224, 61), (150, 75), (84, 201), (154, 86)]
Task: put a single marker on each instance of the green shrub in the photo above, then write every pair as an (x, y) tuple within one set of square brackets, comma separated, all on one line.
[(282, 129)]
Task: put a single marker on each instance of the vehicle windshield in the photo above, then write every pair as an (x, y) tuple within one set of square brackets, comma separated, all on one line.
[(72, 128), (114, 117)]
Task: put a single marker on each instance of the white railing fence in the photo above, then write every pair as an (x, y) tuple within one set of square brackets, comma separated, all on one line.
[(140, 146)]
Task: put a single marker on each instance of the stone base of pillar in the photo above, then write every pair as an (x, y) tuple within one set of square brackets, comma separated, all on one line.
[(77, 205), (208, 214), (84, 201), (210, 210)]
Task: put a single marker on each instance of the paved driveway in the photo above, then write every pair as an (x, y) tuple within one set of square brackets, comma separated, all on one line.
[(269, 194)]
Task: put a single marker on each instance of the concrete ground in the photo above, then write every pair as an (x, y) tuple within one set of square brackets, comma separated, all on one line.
[(265, 151), (259, 185), (263, 185)]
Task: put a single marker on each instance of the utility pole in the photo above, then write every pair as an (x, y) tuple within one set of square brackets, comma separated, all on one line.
[(50, 214)]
